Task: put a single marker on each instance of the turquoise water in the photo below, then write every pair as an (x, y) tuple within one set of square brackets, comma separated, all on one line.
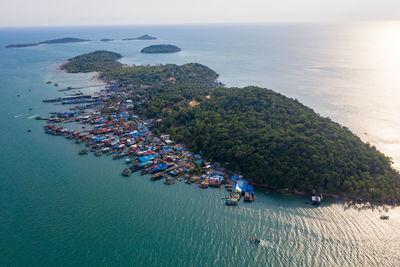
[(57, 208)]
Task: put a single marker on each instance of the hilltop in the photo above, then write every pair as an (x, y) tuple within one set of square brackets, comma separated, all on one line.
[(156, 49)]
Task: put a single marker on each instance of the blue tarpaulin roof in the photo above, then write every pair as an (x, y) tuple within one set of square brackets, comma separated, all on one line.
[(146, 158), (248, 189), (240, 183), (160, 167)]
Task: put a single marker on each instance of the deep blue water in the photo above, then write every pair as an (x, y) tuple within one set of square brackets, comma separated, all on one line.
[(57, 208)]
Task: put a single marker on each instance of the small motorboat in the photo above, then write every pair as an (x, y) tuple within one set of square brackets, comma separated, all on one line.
[(255, 240), (83, 152)]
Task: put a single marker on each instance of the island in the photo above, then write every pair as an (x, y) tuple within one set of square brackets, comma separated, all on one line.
[(55, 41), (106, 40), (143, 37), (100, 60), (272, 140), (157, 49)]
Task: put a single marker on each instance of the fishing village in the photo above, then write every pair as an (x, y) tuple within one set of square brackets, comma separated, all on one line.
[(105, 124)]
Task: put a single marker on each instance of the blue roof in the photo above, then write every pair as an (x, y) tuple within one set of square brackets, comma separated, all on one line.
[(147, 158), (240, 183), (248, 189)]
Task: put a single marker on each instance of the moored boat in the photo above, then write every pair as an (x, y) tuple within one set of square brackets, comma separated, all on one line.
[(231, 201), (126, 172), (203, 185), (169, 181), (83, 152), (157, 176)]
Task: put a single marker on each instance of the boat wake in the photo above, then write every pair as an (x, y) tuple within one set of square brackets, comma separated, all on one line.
[(266, 244), (31, 117), (17, 116)]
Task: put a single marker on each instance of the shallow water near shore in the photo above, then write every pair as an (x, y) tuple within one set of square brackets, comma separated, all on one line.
[(58, 208)]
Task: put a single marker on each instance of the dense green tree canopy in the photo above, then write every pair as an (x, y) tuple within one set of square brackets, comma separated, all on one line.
[(96, 61), (269, 138)]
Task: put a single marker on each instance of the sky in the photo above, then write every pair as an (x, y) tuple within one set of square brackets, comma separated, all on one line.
[(20, 13)]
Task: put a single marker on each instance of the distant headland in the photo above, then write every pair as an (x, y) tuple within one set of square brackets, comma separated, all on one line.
[(164, 48), (55, 41), (143, 37)]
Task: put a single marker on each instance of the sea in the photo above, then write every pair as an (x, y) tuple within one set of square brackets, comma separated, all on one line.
[(61, 209)]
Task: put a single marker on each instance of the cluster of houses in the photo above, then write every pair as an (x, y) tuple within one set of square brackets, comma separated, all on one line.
[(107, 126)]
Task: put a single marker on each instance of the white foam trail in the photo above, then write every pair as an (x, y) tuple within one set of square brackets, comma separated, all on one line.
[(266, 244), (17, 116), (31, 117)]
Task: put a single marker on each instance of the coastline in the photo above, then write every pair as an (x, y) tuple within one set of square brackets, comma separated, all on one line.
[(334, 197)]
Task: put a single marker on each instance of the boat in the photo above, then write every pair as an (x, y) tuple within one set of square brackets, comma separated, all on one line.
[(157, 176), (129, 160), (384, 217), (83, 152), (134, 168), (55, 84), (231, 201), (255, 240), (316, 200), (48, 82), (169, 181), (99, 153), (203, 185), (29, 130), (248, 197), (126, 172)]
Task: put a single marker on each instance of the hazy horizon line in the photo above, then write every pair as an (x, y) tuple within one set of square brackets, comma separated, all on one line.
[(200, 23)]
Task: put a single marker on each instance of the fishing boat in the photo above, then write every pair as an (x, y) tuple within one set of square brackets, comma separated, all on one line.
[(248, 197), (134, 168), (316, 200), (203, 185), (255, 240), (129, 160), (169, 181), (157, 176), (126, 172), (231, 201), (83, 152)]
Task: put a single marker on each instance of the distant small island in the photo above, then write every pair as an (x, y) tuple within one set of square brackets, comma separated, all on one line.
[(164, 48), (143, 37), (55, 41), (106, 40)]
